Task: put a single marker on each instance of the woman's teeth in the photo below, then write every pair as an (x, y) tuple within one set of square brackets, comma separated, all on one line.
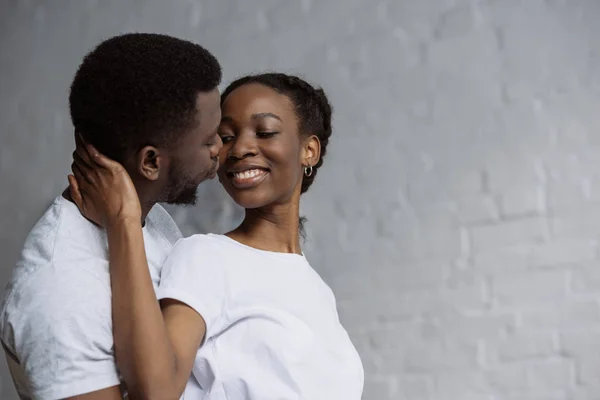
[(247, 174)]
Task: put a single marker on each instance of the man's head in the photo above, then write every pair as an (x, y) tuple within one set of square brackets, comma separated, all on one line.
[(151, 102)]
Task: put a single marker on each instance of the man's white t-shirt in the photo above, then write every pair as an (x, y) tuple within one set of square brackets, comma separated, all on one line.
[(55, 321), (273, 331)]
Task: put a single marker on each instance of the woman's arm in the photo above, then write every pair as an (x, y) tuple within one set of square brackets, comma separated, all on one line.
[(154, 355)]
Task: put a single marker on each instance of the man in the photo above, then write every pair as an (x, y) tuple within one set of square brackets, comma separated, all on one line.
[(150, 102)]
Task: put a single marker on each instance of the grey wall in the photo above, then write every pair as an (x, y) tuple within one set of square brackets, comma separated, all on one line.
[(457, 217)]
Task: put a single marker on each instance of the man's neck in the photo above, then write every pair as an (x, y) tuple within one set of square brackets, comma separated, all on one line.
[(145, 211)]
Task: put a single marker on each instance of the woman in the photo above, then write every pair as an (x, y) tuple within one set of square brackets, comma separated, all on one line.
[(244, 312)]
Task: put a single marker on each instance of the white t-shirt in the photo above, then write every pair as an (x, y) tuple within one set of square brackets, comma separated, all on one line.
[(273, 331), (56, 323)]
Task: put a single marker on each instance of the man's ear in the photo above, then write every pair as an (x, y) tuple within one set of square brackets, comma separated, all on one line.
[(311, 151), (150, 163)]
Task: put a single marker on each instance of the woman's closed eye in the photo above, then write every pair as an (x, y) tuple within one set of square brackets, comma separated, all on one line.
[(266, 134), (226, 138)]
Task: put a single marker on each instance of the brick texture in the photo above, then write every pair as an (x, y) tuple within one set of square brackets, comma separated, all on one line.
[(457, 216)]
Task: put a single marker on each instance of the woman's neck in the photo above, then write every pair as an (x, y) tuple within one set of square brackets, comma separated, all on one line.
[(274, 229)]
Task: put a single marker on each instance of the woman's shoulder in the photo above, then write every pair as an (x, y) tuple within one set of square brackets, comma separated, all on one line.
[(199, 252), (204, 240), (201, 243)]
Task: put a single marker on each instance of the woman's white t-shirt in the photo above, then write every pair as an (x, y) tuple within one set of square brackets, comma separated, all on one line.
[(272, 328)]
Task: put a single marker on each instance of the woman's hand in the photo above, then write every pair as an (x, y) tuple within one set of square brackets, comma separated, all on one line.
[(101, 187)]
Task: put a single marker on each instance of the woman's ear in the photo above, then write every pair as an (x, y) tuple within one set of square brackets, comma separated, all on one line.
[(311, 151)]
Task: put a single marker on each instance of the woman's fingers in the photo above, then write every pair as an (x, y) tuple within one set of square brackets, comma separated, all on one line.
[(103, 161), (84, 166), (84, 156), (81, 149), (92, 155), (80, 174), (75, 192), (81, 157)]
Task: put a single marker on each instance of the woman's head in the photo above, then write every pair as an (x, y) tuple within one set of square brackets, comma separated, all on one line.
[(275, 130)]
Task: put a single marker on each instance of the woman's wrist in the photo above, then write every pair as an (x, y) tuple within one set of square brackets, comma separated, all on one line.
[(121, 221)]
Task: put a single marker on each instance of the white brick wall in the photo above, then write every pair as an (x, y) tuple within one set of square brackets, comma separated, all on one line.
[(457, 217)]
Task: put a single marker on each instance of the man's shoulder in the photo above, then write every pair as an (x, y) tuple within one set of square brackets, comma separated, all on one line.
[(45, 231), (54, 297), (52, 284), (60, 237), (61, 252)]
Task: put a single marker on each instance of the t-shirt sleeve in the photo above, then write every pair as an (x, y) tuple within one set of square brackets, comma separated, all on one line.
[(60, 329), (194, 275)]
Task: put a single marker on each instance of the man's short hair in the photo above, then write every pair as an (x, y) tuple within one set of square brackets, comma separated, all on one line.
[(140, 89)]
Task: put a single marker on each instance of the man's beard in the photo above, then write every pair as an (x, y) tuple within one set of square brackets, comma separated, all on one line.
[(182, 187)]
